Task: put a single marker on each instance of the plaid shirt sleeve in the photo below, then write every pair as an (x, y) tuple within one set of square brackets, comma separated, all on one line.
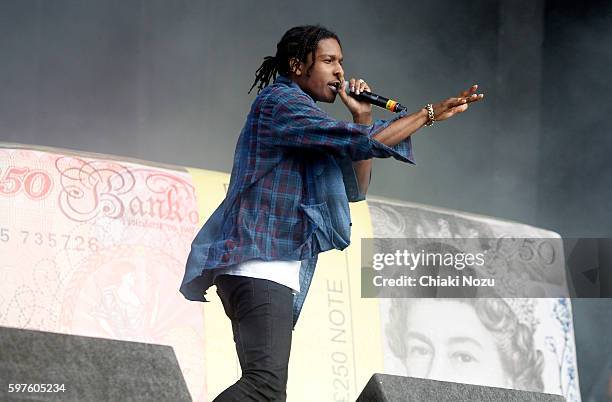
[(291, 119)]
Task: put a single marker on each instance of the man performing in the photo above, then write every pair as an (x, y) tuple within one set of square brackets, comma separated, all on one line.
[(295, 170)]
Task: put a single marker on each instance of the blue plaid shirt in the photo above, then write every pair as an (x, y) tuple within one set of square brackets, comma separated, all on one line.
[(289, 189)]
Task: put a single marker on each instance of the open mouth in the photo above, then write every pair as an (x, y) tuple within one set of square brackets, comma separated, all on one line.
[(334, 86)]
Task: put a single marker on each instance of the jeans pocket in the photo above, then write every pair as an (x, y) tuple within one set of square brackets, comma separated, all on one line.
[(254, 293)]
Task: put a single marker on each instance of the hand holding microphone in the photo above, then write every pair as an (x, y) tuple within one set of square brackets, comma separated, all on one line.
[(358, 107), (360, 91)]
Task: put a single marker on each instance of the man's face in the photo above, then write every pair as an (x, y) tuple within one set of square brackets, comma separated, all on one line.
[(320, 81)]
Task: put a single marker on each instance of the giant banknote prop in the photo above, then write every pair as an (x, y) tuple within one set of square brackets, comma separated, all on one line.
[(511, 342), (96, 245)]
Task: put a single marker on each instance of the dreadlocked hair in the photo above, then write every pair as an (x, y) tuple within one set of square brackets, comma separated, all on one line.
[(298, 43)]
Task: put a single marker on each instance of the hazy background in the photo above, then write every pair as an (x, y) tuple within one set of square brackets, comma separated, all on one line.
[(167, 81)]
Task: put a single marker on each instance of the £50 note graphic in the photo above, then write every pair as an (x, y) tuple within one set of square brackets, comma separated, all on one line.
[(97, 246)]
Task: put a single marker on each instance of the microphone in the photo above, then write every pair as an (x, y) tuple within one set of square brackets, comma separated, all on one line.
[(374, 99)]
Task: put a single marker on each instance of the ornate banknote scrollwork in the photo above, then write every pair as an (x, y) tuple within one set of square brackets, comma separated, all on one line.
[(90, 189)]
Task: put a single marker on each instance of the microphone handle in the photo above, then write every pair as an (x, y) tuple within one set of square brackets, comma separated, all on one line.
[(381, 101)]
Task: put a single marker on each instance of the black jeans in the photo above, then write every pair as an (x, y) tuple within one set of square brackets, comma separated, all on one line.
[(262, 321)]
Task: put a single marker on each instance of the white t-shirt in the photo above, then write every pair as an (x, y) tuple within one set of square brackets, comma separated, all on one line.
[(286, 273)]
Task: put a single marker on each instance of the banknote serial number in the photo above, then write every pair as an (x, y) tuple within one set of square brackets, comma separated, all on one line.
[(52, 240), (35, 388)]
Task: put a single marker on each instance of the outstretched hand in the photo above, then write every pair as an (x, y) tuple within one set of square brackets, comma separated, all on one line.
[(459, 104)]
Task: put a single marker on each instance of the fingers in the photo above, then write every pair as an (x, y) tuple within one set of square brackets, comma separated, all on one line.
[(358, 86), (454, 102), (456, 105), (470, 94), (341, 91), (474, 98), (468, 91), (363, 86), (462, 105)]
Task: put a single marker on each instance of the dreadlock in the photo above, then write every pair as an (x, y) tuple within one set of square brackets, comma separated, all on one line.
[(298, 43)]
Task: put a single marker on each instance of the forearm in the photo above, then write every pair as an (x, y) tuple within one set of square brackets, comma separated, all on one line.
[(402, 128), (392, 135), (363, 169)]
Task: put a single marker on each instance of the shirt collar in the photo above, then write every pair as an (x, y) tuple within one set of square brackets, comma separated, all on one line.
[(281, 79)]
